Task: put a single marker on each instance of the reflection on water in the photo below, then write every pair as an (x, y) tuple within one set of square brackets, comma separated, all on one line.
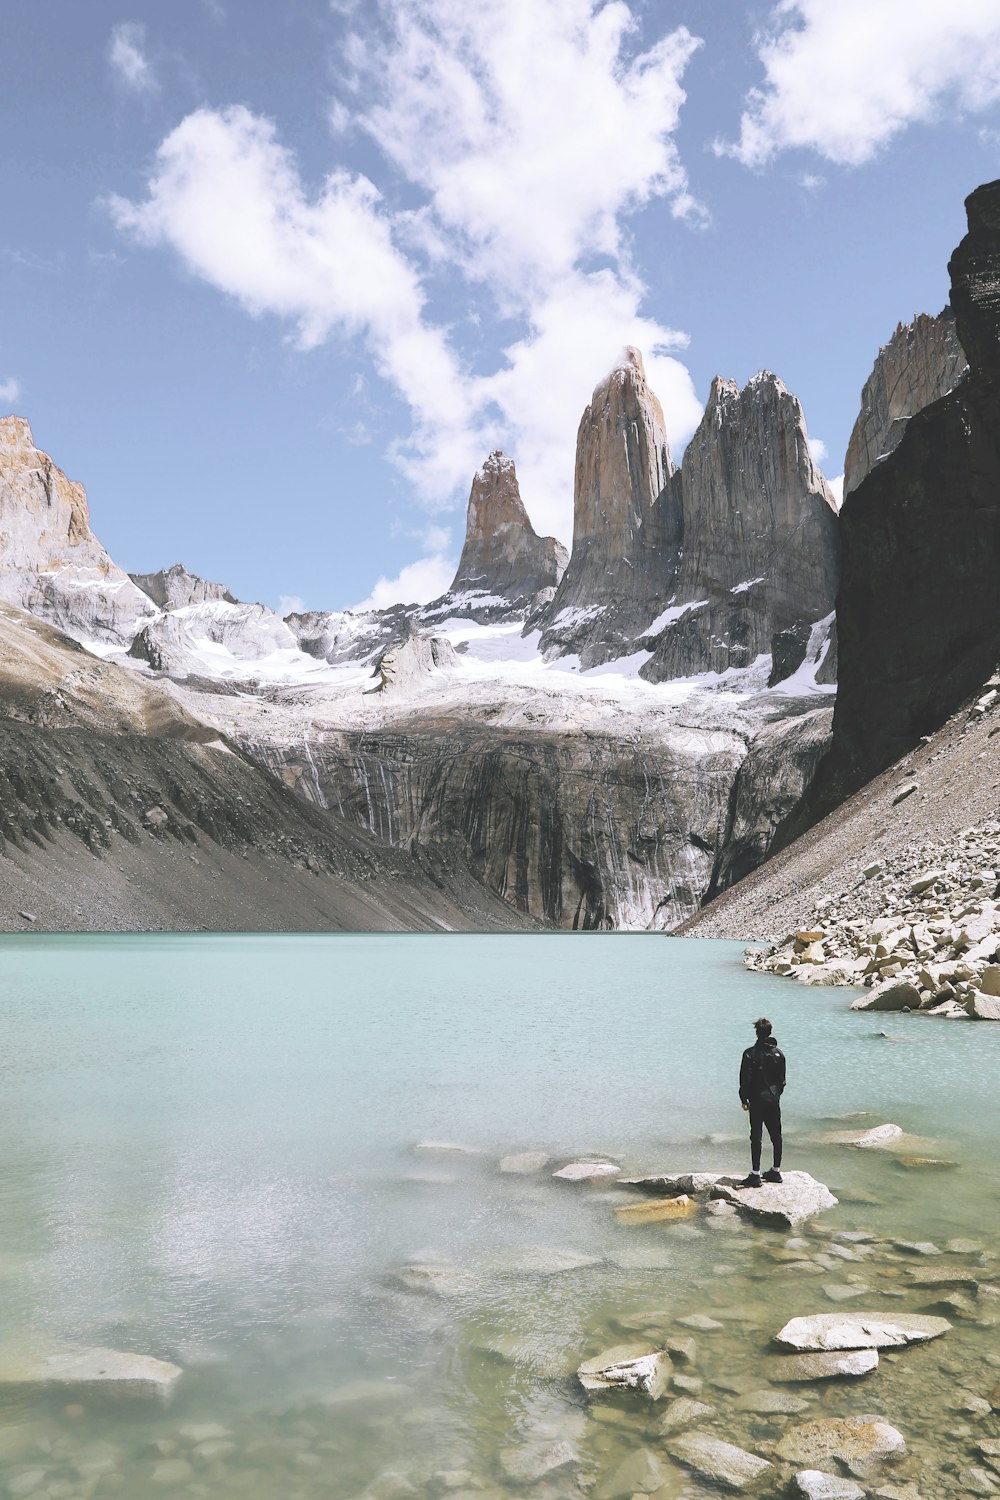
[(208, 1155)]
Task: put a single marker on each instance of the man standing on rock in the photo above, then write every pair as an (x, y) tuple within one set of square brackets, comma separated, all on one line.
[(762, 1079)]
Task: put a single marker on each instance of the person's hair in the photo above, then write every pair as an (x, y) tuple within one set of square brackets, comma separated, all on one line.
[(762, 1026)]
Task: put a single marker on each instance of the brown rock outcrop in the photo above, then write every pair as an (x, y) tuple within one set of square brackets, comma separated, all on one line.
[(50, 561), (922, 362), (503, 558)]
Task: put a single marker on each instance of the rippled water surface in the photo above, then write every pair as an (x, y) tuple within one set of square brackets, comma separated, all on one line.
[(209, 1156)]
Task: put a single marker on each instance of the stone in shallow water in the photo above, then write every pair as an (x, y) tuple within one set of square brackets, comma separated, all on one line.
[(94, 1372), (684, 1412), (524, 1163), (700, 1322), (812, 1484), (533, 1461), (797, 1198), (827, 1366), (859, 1331), (640, 1473), (450, 1148), (772, 1403), (857, 1442), (722, 1463), (545, 1260), (433, 1280), (586, 1171), (657, 1210), (625, 1367)]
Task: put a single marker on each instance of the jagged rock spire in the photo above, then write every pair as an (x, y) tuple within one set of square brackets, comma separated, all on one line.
[(503, 556)]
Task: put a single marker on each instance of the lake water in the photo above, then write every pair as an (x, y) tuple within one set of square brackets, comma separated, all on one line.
[(208, 1155)]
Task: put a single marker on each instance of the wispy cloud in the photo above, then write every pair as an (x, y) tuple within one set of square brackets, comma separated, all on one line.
[(842, 79), (818, 450), (417, 583), (10, 390), (527, 132), (128, 60), (290, 604)]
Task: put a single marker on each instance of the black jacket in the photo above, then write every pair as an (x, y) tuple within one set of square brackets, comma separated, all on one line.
[(762, 1072)]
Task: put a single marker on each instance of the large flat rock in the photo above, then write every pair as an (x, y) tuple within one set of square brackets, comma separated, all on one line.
[(797, 1198), (862, 1330), (627, 1367), (834, 1364), (105, 1372), (859, 1443)]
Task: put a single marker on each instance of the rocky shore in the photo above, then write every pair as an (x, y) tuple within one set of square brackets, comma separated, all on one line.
[(922, 933)]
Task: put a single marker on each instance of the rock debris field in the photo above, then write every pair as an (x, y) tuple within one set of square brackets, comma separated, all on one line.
[(921, 934)]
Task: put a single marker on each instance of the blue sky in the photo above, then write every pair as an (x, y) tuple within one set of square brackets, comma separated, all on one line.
[(274, 278)]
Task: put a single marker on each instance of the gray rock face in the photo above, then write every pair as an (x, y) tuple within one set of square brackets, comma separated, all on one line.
[(624, 554), (626, 1368), (503, 560), (51, 564), (177, 643), (176, 588), (758, 538), (860, 1331), (922, 362), (410, 662)]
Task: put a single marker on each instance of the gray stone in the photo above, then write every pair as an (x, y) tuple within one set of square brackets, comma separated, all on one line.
[(796, 1198), (722, 1463), (891, 994), (640, 1473), (826, 1331), (626, 1367), (105, 1373), (524, 1163), (533, 1461), (812, 1484), (684, 1412), (586, 1171)]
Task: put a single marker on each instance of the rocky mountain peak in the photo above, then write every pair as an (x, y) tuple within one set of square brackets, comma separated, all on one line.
[(975, 280), (922, 362), (503, 557), (176, 588)]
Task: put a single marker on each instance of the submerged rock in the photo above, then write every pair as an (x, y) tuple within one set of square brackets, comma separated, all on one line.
[(623, 1367), (813, 1484), (535, 1461), (585, 1171), (524, 1163), (641, 1473), (732, 1468), (832, 1365), (859, 1331), (92, 1372), (657, 1210)]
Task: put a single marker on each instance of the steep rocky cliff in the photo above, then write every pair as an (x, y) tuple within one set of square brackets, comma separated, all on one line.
[(758, 539), (50, 561), (504, 563), (922, 362), (176, 588), (918, 623), (622, 564)]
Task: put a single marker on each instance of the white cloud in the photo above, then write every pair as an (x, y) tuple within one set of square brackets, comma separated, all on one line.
[(10, 390), (127, 56), (818, 449), (837, 486), (842, 79), (526, 132), (290, 604), (417, 583)]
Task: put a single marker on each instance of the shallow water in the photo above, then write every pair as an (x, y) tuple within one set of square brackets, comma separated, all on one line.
[(208, 1148)]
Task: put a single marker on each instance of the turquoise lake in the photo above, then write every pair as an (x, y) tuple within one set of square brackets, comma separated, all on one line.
[(209, 1155)]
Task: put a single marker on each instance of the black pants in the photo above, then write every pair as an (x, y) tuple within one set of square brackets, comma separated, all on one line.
[(765, 1114)]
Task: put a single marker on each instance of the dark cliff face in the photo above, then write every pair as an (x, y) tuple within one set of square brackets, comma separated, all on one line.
[(503, 558), (758, 538), (917, 611)]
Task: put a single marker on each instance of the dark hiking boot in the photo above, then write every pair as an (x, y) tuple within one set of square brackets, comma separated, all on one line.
[(753, 1180), (773, 1176)]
